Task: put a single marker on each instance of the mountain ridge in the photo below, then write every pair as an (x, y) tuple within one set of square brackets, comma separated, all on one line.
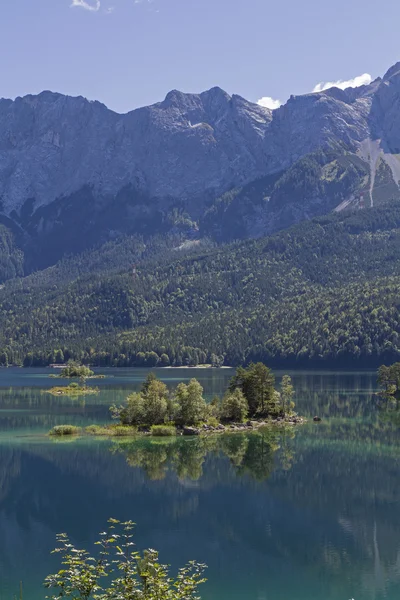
[(74, 173)]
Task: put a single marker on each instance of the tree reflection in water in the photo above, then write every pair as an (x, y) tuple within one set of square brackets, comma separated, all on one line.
[(254, 454)]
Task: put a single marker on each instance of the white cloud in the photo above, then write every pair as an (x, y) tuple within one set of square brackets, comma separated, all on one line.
[(269, 102), (94, 5), (364, 79)]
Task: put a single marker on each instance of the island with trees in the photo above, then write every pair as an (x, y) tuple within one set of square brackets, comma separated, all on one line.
[(74, 370), (251, 401), (73, 389)]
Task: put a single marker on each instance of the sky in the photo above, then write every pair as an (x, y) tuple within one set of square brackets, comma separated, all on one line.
[(130, 53)]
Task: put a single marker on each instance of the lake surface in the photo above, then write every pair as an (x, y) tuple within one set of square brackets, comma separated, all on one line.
[(310, 515)]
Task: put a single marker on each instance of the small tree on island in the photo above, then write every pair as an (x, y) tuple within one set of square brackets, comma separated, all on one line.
[(147, 407), (287, 393), (257, 384), (119, 572), (234, 407), (191, 406), (389, 379)]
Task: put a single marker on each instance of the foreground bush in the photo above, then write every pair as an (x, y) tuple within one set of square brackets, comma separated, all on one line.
[(60, 430), (119, 572)]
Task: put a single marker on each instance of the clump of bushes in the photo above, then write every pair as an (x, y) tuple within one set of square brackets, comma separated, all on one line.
[(75, 370), (163, 430), (111, 430), (59, 430)]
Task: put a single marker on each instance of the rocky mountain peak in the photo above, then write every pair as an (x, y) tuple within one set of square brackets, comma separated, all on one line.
[(392, 72), (187, 148)]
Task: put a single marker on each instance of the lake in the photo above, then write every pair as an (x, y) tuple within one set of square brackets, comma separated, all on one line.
[(313, 514)]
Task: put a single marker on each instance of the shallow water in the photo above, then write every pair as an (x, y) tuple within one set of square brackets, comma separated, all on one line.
[(311, 515)]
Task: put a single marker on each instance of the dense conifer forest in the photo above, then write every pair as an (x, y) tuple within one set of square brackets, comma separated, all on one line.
[(325, 292)]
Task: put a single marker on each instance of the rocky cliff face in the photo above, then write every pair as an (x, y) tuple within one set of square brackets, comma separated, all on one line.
[(53, 145), (67, 161)]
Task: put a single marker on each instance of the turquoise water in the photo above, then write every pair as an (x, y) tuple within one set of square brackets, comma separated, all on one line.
[(310, 515)]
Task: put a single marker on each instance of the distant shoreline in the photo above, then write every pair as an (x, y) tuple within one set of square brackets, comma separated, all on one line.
[(196, 367)]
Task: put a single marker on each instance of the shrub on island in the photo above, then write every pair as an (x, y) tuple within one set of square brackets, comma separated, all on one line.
[(163, 430), (73, 389), (111, 430), (60, 430), (234, 407)]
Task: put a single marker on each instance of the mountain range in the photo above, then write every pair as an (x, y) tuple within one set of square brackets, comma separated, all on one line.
[(202, 229), (74, 173)]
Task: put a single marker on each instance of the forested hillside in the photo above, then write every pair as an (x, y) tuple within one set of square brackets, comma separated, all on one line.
[(325, 291)]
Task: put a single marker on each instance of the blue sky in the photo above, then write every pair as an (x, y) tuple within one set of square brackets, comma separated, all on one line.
[(127, 54)]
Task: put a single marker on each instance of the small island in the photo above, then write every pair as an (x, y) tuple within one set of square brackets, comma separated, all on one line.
[(74, 370), (73, 389), (250, 402)]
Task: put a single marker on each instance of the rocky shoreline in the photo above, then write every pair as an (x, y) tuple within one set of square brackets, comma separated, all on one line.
[(205, 429), (236, 427)]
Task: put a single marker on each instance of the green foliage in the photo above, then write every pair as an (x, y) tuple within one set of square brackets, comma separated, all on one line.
[(155, 397), (74, 369), (213, 421), (133, 412), (234, 407), (73, 389), (163, 430), (287, 394), (192, 407), (11, 257), (389, 378), (256, 382), (119, 572), (148, 407), (323, 292), (251, 393), (214, 409), (60, 430), (111, 430)]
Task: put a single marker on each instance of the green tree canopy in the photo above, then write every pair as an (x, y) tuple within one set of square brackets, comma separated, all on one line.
[(192, 407), (234, 406), (257, 384)]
